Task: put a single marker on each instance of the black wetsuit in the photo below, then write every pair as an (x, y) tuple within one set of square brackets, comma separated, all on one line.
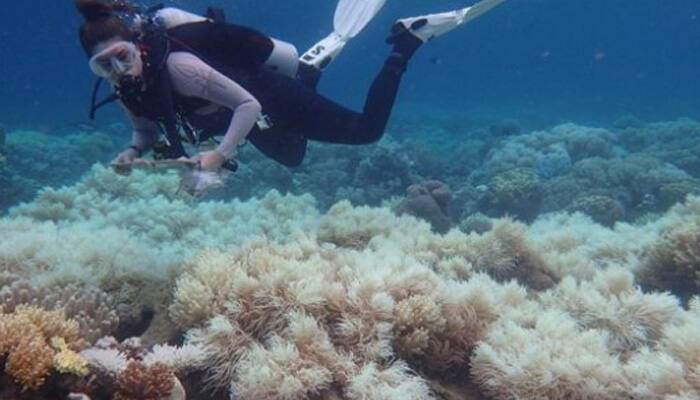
[(296, 111)]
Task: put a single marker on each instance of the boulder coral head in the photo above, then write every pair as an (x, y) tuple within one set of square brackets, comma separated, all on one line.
[(516, 192), (673, 262), (603, 209), (430, 201)]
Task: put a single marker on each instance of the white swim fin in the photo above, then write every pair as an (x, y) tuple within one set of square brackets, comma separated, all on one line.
[(351, 16), (427, 27)]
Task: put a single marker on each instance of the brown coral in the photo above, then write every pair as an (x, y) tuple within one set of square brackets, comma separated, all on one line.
[(25, 337), (506, 253), (30, 361), (429, 200), (139, 382), (416, 320)]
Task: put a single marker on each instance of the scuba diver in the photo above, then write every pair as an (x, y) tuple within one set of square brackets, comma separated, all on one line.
[(187, 78)]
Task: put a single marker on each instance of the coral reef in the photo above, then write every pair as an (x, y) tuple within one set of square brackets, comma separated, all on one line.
[(274, 298)]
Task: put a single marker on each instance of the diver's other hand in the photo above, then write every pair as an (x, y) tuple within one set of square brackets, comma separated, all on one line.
[(210, 160)]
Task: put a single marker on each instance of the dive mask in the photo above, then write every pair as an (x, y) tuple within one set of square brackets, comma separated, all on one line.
[(116, 60)]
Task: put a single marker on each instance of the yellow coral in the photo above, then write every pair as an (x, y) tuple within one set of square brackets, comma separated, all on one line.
[(66, 360)]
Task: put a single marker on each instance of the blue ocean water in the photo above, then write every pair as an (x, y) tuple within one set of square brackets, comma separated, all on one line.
[(539, 61)]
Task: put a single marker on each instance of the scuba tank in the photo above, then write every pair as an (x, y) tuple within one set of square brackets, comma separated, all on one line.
[(283, 59)]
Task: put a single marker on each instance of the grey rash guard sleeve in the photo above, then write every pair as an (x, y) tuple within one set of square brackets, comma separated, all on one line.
[(192, 77)]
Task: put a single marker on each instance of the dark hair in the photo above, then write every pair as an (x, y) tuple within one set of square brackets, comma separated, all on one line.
[(102, 22)]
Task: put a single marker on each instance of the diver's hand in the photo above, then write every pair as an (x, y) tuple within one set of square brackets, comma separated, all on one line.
[(209, 160), (127, 156), (122, 164)]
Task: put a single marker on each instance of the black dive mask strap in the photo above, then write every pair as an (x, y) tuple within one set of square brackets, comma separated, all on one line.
[(96, 105)]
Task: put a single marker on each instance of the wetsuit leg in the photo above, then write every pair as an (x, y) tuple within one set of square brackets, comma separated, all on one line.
[(326, 121), (286, 148), (319, 118)]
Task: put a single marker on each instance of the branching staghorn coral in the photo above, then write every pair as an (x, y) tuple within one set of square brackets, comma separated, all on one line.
[(36, 341)]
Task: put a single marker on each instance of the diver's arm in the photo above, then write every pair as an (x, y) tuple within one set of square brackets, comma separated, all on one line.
[(193, 77)]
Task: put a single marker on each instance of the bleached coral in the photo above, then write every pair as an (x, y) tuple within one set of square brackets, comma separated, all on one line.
[(106, 361), (204, 290), (596, 339), (354, 227), (179, 359), (612, 304), (314, 317), (361, 303), (396, 382), (553, 359), (145, 206), (504, 252)]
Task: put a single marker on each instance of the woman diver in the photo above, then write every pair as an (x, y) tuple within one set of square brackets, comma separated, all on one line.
[(176, 72)]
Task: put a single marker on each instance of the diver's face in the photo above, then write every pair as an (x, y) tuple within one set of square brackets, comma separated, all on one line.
[(115, 59)]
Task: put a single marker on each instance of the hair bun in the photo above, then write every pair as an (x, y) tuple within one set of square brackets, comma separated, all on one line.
[(93, 10)]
